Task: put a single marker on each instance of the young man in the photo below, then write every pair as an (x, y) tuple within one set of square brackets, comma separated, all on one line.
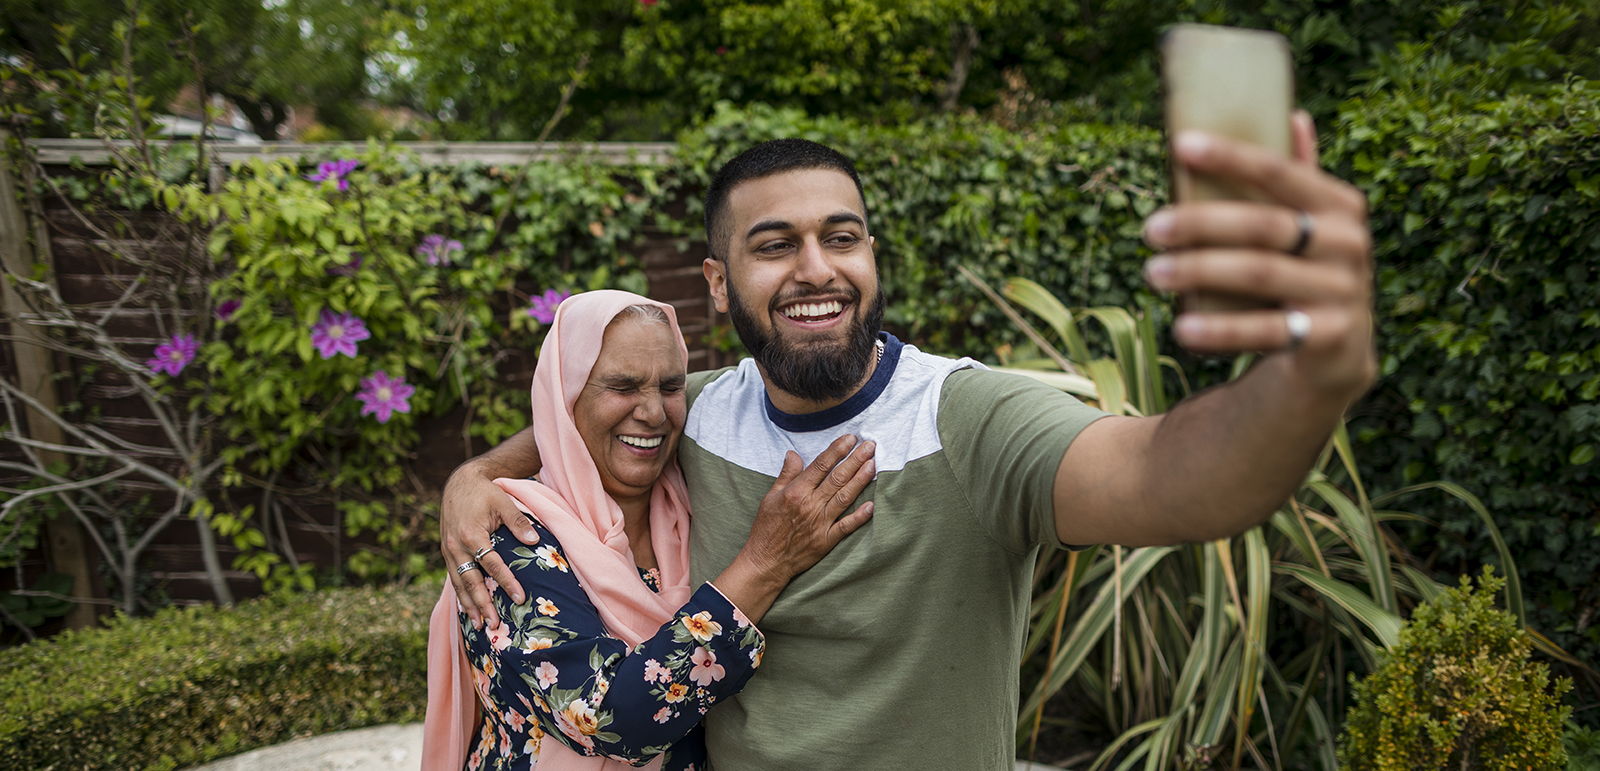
[(900, 649)]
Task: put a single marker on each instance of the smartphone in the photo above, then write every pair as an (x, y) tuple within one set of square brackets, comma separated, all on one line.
[(1236, 83)]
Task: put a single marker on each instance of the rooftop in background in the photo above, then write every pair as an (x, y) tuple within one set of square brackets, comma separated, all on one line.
[(94, 152)]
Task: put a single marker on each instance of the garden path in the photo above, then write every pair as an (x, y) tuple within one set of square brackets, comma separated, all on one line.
[(379, 748)]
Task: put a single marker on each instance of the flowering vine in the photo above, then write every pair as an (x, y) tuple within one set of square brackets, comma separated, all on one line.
[(335, 170), (336, 334), (543, 307), (172, 356), (382, 395)]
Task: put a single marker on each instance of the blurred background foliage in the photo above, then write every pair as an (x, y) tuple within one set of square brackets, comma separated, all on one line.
[(493, 69)]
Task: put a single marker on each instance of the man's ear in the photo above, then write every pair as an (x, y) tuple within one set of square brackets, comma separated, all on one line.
[(717, 277)]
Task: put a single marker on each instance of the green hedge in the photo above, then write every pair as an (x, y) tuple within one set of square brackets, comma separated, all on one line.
[(186, 686), (1486, 214)]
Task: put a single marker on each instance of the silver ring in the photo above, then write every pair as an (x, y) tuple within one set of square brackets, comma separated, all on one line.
[(1299, 327), (465, 566), (478, 555), (1303, 220)]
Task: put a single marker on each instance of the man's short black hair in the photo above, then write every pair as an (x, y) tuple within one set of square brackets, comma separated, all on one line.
[(764, 160)]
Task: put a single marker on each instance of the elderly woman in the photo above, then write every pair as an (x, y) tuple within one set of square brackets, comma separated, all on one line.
[(614, 658)]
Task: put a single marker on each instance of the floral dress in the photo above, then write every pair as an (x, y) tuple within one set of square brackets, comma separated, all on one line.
[(550, 672)]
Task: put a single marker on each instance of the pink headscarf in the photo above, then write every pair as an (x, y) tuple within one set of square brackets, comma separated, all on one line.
[(571, 501)]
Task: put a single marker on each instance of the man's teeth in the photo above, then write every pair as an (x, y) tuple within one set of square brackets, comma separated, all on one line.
[(813, 310), (639, 441)]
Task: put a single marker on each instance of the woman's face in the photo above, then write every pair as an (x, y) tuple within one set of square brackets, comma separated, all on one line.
[(630, 413)]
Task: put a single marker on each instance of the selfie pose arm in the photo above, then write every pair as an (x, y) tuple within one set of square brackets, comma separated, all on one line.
[(1223, 461)]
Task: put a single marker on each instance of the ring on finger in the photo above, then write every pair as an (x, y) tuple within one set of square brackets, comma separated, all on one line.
[(1302, 220), (478, 555), (466, 566), (1299, 323)]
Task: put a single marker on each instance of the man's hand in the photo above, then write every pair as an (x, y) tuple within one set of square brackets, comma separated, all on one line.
[(1218, 464), (1240, 248), (473, 508)]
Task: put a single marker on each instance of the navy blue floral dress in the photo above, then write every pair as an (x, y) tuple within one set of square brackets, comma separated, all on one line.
[(550, 672)]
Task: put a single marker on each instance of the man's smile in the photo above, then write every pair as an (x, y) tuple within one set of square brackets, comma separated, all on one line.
[(817, 314)]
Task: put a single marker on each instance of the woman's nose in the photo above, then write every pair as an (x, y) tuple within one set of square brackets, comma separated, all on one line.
[(650, 410)]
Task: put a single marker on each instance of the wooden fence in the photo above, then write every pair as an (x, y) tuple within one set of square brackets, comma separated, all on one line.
[(309, 529)]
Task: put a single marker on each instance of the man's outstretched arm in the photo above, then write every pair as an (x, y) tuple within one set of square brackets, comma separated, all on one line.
[(481, 507), (1222, 462)]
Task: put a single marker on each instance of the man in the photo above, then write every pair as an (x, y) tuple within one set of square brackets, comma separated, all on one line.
[(901, 648)]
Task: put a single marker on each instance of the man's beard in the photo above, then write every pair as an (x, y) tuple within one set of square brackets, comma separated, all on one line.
[(818, 372)]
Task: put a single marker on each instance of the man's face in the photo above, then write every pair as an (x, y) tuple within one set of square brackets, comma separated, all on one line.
[(800, 283)]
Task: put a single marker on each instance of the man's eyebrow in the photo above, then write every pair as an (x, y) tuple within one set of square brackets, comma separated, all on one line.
[(843, 217), (767, 225), (837, 218)]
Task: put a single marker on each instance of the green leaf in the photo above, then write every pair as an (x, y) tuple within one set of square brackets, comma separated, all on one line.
[(1384, 624)]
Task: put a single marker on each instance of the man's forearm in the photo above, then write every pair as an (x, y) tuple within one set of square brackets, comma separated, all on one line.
[(517, 457), (1221, 463), (1213, 467)]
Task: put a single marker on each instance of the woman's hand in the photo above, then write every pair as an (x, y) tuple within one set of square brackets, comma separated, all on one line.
[(473, 508), (799, 523)]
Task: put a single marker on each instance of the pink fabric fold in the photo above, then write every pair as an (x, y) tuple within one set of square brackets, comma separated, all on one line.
[(571, 501)]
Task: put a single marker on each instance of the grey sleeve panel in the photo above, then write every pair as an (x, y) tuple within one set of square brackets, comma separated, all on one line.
[(1004, 436), (699, 380)]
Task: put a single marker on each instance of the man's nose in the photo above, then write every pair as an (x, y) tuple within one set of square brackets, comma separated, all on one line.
[(814, 267)]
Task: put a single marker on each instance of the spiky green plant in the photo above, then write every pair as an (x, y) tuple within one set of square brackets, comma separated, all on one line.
[(1198, 672)]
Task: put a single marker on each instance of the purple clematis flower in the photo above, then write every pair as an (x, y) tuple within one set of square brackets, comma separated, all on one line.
[(334, 335), (225, 310), (171, 357), (384, 395), (543, 307), (437, 249), (334, 170)]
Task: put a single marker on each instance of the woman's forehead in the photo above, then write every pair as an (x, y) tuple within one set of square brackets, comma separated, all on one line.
[(638, 346)]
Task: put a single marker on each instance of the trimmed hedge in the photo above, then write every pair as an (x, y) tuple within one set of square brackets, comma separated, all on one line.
[(189, 685), (1486, 216)]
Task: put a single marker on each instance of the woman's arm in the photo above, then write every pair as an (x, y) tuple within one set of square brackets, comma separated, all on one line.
[(472, 508), (550, 662)]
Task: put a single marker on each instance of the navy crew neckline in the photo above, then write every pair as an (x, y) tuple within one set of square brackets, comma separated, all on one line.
[(849, 408)]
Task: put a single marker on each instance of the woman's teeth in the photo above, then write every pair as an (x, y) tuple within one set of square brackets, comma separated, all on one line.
[(813, 310), (639, 441)]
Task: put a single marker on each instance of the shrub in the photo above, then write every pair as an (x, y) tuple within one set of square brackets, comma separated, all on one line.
[(1457, 692), (188, 685)]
